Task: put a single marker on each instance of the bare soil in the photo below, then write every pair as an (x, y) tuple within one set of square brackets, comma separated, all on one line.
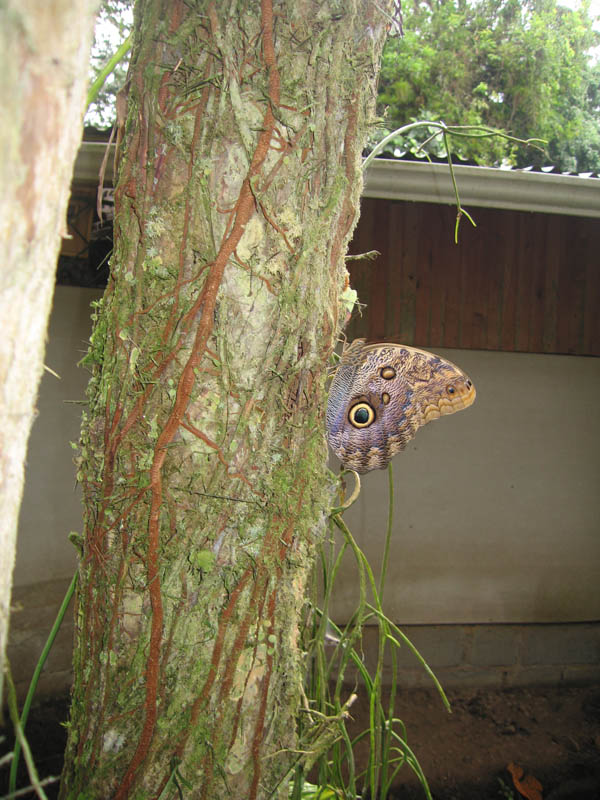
[(553, 733)]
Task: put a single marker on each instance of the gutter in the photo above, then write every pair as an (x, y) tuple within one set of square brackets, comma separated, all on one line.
[(89, 160), (520, 190)]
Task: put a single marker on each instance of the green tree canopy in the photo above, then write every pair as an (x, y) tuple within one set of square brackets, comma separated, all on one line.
[(520, 65), (113, 24)]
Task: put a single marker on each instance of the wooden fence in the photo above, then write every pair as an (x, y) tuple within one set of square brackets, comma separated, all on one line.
[(519, 281)]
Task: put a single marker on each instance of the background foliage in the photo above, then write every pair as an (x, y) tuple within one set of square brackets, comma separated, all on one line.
[(521, 65), (113, 25), (525, 66)]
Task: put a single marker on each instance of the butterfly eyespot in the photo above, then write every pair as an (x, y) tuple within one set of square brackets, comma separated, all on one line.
[(361, 415), (381, 394)]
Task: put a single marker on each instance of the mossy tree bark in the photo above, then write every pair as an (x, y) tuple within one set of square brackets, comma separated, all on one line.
[(203, 456), (44, 58)]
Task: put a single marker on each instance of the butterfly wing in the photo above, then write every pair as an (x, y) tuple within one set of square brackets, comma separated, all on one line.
[(381, 394)]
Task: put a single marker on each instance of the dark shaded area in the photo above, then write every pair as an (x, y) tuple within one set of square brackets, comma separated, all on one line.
[(47, 737), (85, 253), (553, 733), (90, 266)]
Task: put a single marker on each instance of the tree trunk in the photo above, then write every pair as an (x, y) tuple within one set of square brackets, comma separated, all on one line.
[(203, 458), (44, 60)]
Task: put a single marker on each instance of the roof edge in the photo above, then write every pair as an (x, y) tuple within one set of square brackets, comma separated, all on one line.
[(390, 179), (489, 187)]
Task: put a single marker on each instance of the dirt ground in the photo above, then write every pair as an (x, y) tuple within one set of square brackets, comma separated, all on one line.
[(553, 733)]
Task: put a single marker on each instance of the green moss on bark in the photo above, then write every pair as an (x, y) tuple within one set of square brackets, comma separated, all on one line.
[(204, 455)]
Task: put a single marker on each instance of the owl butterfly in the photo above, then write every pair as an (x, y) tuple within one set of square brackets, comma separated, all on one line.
[(381, 394)]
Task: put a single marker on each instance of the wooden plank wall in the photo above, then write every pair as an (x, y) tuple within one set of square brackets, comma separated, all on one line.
[(519, 281), (80, 216)]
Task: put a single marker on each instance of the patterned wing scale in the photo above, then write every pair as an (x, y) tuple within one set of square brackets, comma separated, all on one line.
[(381, 394)]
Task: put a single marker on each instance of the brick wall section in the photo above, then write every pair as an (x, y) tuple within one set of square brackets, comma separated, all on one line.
[(493, 656), (497, 656)]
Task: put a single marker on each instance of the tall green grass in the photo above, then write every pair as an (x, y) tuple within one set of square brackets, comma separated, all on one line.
[(337, 672)]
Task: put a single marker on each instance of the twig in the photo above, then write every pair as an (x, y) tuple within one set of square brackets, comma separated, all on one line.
[(11, 697), (27, 789)]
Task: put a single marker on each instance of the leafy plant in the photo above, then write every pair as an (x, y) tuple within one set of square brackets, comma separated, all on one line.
[(505, 791), (335, 654), (523, 66)]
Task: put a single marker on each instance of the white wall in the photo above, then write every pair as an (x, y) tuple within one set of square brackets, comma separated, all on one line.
[(498, 507), (51, 503)]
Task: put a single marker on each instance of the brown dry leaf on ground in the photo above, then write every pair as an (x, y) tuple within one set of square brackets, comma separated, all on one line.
[(526, 785)]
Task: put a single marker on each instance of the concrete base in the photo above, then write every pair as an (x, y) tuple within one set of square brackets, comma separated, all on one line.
[(493, 656)]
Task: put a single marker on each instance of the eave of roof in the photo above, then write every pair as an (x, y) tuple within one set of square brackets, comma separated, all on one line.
[(89, 160), (520, 190)]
